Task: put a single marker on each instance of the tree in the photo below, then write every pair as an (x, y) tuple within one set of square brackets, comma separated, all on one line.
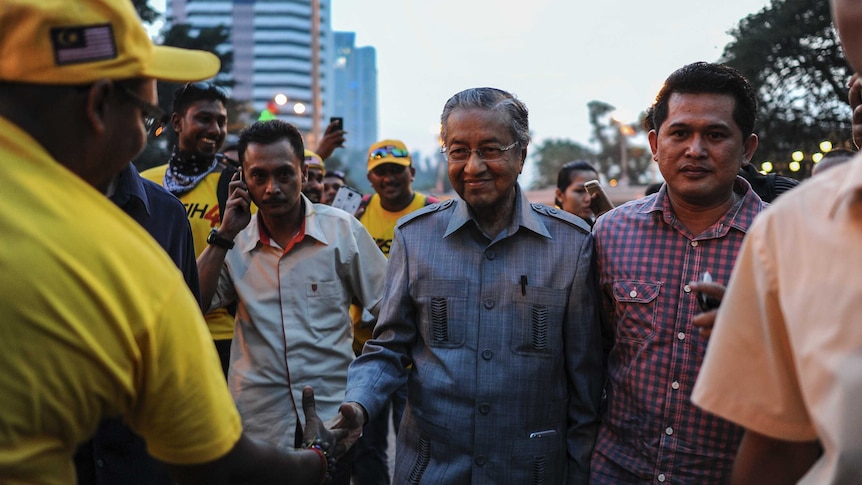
[(616, 153), (790, 53), (551, 155)]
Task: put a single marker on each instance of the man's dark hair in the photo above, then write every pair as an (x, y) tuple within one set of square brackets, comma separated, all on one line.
[(192, 92), (269, 132), (564, 177), (704, 77)]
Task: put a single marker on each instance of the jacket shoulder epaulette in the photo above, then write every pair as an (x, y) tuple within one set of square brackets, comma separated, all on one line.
[(561, 215), (424, 211)]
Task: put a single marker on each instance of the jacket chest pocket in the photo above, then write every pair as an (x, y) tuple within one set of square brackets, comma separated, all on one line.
[(537, 328), (637, 306), (442, 306)]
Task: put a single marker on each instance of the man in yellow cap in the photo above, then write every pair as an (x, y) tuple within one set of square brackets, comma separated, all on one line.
[(313, 185), (97, 321), (390, 172)]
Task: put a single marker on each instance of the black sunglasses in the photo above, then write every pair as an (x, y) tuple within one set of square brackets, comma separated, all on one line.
[(153, 116), (202, 87)]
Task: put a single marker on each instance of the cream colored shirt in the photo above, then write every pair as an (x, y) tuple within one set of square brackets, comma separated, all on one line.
[(292, 325), (785, 357)]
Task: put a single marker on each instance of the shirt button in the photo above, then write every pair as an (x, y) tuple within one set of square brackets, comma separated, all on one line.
[(680, 336), (694, 244), (633, 293), (484, 408), (480, 460), (686, 289), (674, 385), (490, 255), (661, 477), (668, 431), (489, 303), (487, 354)]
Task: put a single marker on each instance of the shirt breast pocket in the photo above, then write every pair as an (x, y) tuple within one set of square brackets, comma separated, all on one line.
[(442, 308), (320, 296), (637, 305), (538, 328)]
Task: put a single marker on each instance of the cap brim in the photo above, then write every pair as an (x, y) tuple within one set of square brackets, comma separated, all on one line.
[(181, 65)]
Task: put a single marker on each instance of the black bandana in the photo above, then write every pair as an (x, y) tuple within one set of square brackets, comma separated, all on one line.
[(183, 175)]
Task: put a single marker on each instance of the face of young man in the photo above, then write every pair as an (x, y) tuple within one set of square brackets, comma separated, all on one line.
[(393, 183), (274, 177), (700, 148), (483, 184), (331, 184), (313, 186), (203, 128)]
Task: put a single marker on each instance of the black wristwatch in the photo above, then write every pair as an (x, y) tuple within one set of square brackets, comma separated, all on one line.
[(219, 241)]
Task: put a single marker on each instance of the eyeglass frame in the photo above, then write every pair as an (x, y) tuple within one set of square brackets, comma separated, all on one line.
[(154, 116), (478, 152)]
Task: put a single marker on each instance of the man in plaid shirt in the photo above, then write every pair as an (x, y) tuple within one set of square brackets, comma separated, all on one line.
[(648, 251)]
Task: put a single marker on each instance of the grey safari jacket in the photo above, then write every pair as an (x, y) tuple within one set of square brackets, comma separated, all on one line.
[(505, 344)]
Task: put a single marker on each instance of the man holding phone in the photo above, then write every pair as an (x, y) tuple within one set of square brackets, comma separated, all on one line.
[(648, 253)]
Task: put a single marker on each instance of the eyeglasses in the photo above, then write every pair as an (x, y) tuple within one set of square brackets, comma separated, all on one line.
[(388, 151), (202, 86), (388, 169), (154, 117), (486, 153)]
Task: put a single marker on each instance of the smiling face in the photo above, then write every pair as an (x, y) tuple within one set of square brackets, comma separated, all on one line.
[(392, 182), (700, 148), (274, 176), (202, 129), (484, 185)]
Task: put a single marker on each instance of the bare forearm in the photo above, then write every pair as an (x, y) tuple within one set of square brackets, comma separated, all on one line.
[(255, 462), (762, 459), (210, 263)]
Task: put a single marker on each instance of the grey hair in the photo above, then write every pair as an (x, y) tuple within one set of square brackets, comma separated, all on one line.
[(495, 100)]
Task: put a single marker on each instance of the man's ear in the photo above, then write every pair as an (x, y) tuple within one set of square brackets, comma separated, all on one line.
[(176, 122), (98, 104)]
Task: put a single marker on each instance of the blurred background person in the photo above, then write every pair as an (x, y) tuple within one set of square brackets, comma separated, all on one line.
[(312, 185), (570, 195), (332, 181)]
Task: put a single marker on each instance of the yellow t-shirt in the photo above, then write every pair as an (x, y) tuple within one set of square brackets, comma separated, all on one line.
[(97, 322), (202, 209), (381, 225)]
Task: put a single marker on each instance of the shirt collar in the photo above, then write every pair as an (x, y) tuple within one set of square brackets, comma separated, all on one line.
[(739, 217), (851, 184), (254, 235), (523, 217), (130, 187)]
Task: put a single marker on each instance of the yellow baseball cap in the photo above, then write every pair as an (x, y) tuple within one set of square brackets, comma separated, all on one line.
[(388, 151), (81, 41), (313, 160)]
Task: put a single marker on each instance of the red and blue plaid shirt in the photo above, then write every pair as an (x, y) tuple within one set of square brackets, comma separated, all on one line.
[(651, 432)]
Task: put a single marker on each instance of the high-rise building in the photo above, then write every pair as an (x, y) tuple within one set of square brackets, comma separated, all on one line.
[(354, 90), (272, 43)]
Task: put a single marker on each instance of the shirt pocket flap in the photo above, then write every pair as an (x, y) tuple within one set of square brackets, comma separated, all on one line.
[(633, 291)]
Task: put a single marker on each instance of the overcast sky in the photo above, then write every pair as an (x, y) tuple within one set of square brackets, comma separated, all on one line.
[(555, 55)]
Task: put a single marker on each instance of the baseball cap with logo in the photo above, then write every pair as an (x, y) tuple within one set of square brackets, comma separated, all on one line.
[(388, 151), (313, 160), (81, 41)]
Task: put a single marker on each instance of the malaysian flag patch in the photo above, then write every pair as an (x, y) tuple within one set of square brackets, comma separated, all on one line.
[(87, 43)]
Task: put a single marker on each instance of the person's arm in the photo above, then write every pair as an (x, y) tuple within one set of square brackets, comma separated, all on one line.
[(761, 459), (237, 215), (584, 363), (257, 462), (332, 138)]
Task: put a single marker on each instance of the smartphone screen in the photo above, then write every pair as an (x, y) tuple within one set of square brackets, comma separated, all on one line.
[(339, 123)]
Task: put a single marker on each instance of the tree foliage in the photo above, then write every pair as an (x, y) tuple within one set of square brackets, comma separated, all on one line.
[(790, 53), (551, 155)]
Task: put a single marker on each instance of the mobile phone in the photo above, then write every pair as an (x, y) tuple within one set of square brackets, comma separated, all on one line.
[(706, 302), (339, 123), (600, 203), (347, 199)]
